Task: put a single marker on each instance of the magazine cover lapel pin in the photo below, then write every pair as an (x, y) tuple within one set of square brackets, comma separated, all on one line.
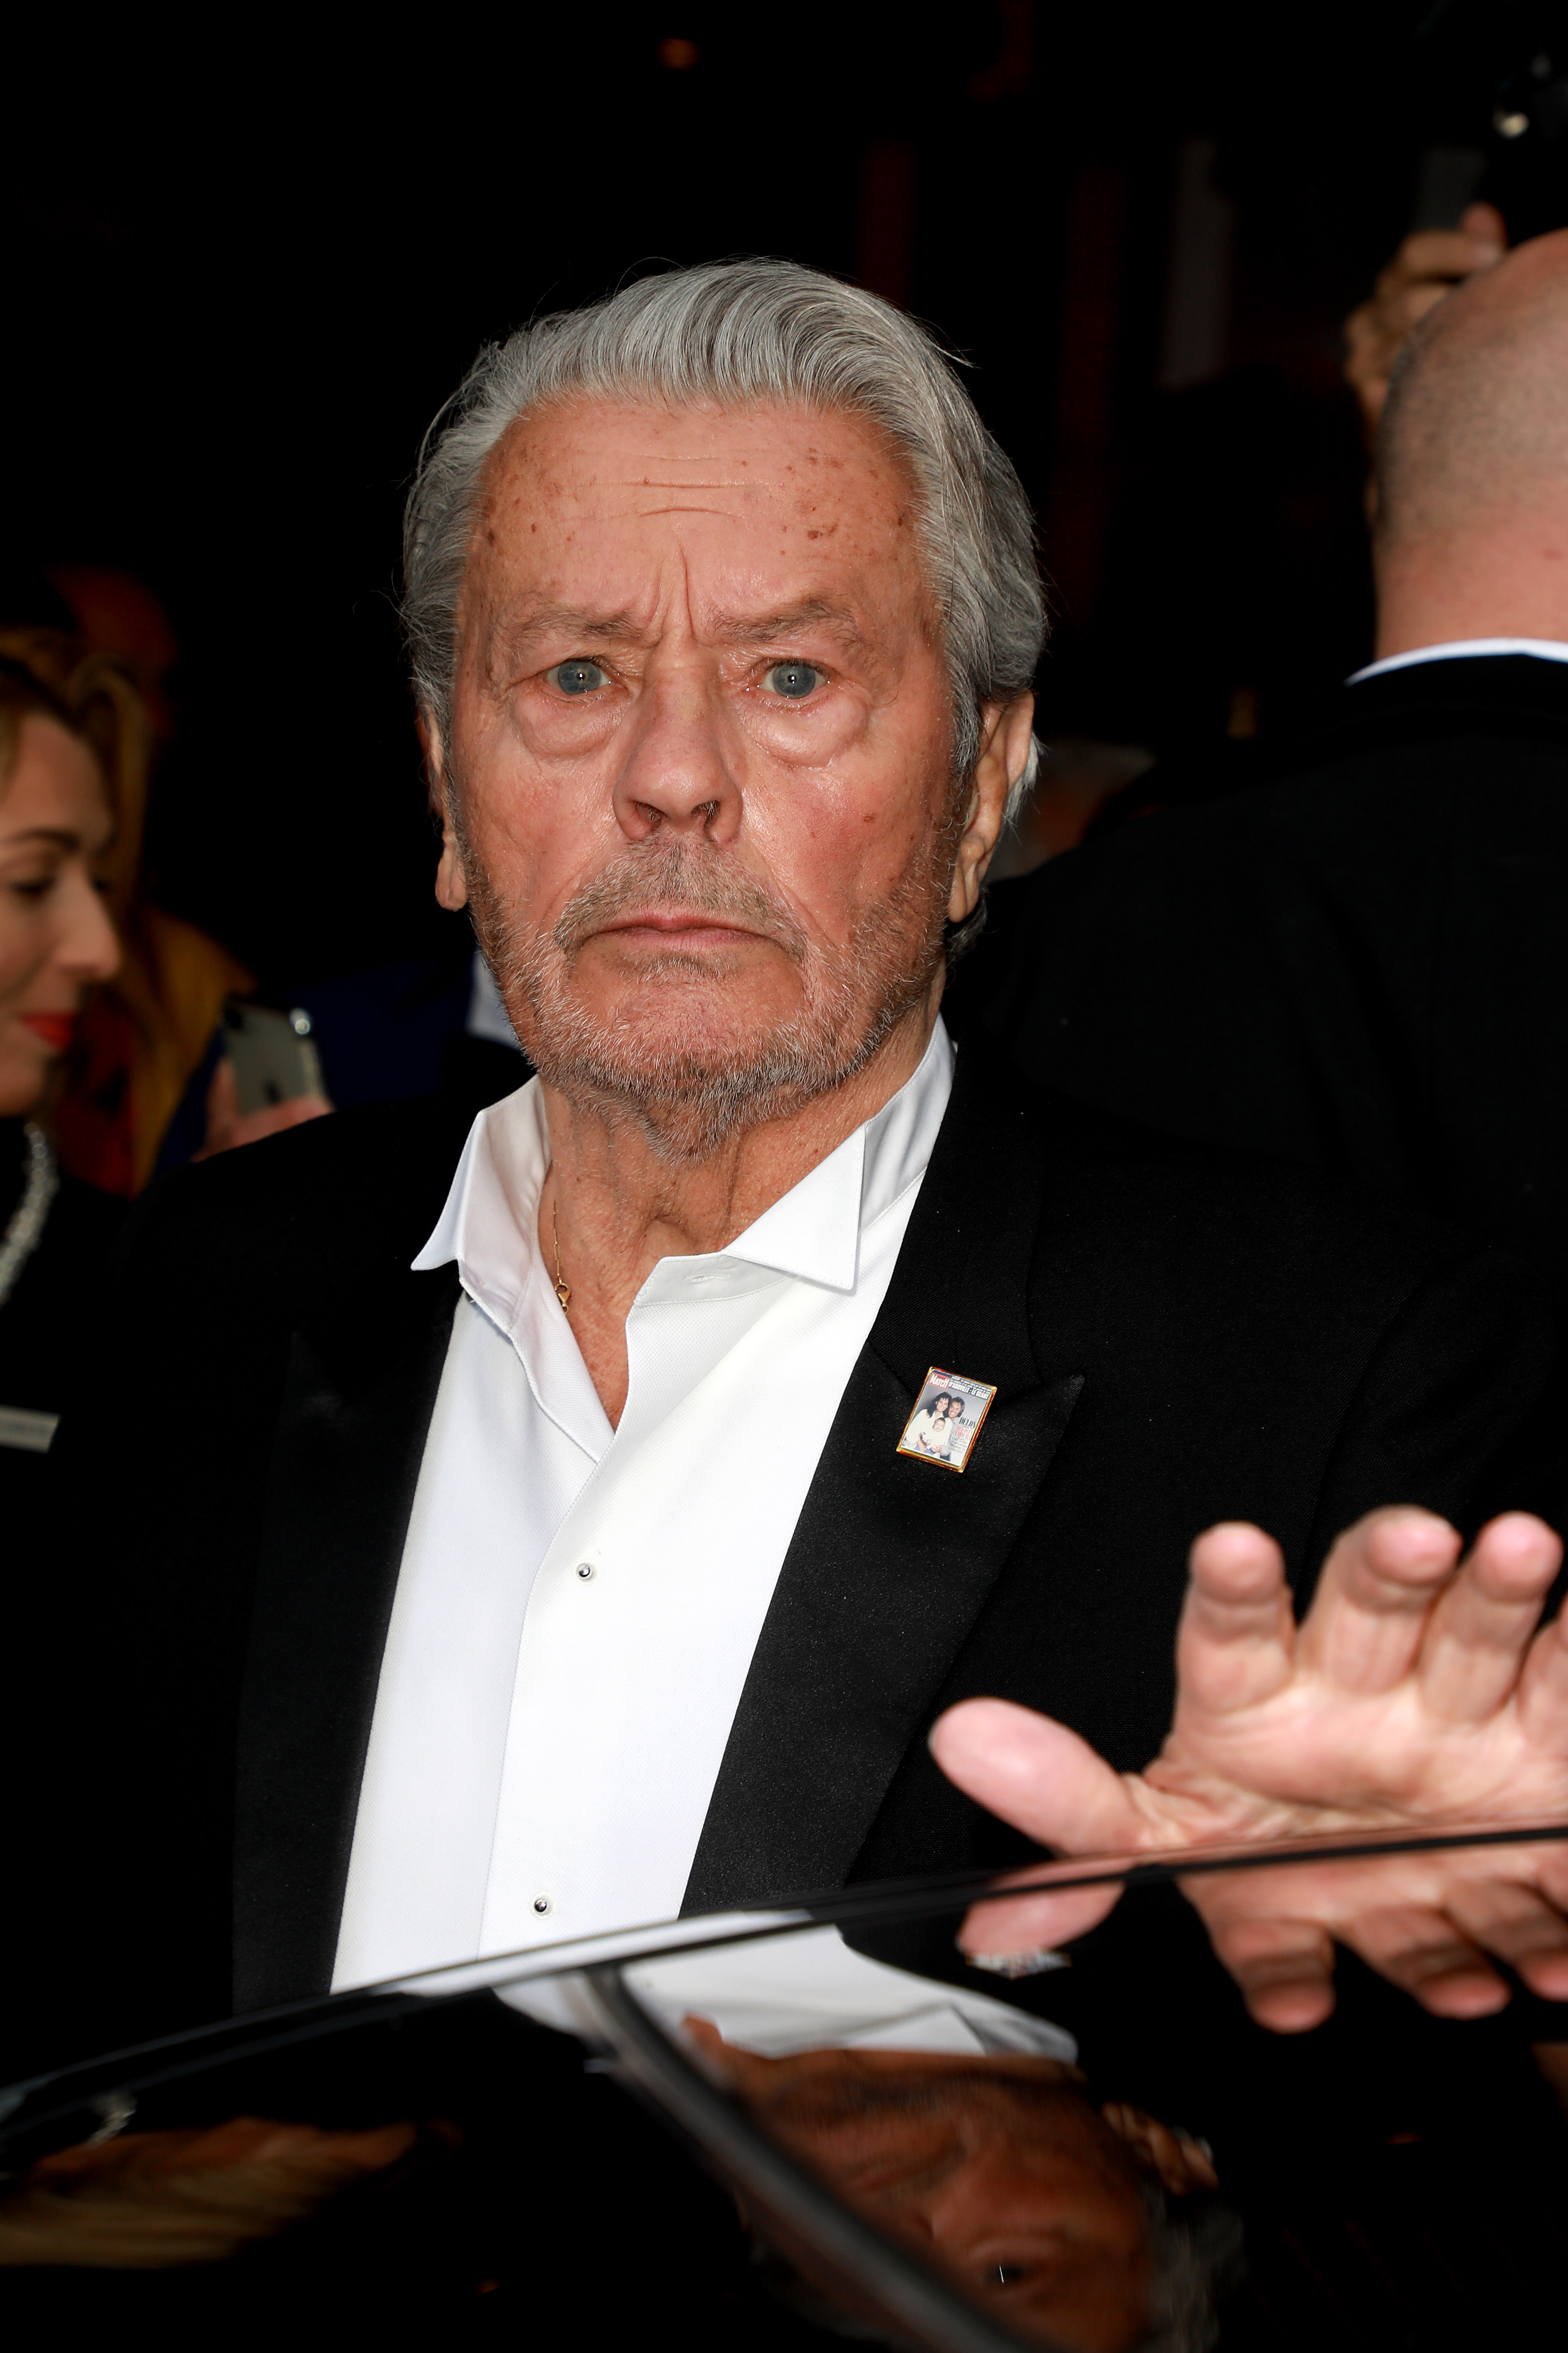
[(946, 1420)]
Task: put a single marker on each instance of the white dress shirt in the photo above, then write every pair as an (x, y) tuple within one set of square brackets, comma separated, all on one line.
[(804, 1990), (810, 1991), (1458, 648), (577, 1607)]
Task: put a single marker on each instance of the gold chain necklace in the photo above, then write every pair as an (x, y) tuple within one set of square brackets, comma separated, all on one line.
[(563, 1289)]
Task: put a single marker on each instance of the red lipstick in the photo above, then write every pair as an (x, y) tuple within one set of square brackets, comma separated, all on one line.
[(56, 1029)]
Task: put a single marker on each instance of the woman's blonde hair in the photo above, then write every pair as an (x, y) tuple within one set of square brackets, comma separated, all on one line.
[(46, 673)]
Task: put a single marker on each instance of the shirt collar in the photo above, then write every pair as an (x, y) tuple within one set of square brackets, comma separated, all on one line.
[(489, 1222), (1460, 648), (814, 1231)]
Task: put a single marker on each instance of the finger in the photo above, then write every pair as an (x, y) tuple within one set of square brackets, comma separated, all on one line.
[(1284, 1967), (1236, 1644), (256, 1126), (1519, 1927), (1005, 1927), (1036, 1775), (1364, 1631), (277, 1117), (1365, 339), (1475, 1643), (1486, 226), (221, 1110), (1399, 313), (1366, 373), (223, 1093), (1438, 253), (1548, 1872), (1420, 1949), (1543, 1696), (299, 1109)]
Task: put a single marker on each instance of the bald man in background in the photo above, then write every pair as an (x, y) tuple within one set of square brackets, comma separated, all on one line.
[(1363, 964)]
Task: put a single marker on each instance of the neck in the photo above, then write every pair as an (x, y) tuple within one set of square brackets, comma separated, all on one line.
[(616, 1204), (1507, 580)]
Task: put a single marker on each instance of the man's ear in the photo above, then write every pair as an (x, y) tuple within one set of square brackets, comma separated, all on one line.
[(451, 882), (1004, 731)]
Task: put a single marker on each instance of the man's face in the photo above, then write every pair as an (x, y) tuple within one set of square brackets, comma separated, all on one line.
[(998, 2172), (701, 770)]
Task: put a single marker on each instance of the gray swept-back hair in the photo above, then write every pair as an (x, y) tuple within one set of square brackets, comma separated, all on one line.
[(733, 334)]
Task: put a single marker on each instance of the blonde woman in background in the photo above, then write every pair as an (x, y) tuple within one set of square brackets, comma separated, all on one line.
[(56, 941), (108, 1008), (142, 1038)]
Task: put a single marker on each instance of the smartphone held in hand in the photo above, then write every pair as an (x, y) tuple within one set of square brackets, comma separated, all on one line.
[(273, 1052)]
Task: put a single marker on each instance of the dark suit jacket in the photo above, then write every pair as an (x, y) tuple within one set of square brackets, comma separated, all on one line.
[(1176, 1337), (1362, 964), (42, 1326)]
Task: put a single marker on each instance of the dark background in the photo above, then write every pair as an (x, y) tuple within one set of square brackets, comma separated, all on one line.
[(250, 260)]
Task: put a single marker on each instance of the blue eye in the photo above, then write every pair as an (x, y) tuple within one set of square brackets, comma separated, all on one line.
[(794, 679), (578, 677)]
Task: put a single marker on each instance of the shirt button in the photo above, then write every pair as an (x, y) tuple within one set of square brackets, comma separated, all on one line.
[(544, 1903), (586, 1570)]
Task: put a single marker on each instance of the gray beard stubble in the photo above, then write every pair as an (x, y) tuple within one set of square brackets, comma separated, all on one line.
[(688, 1096)]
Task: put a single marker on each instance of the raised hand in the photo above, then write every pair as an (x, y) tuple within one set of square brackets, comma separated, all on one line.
[(1417, 1693), (1427, 266)]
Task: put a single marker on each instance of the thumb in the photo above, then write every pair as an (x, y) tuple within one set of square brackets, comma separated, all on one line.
[(1045, 1781), (1036, 1775)]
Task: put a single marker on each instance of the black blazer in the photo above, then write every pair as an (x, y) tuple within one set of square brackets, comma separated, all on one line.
[(1361, 965), (55, 1296), (1176, 1337)]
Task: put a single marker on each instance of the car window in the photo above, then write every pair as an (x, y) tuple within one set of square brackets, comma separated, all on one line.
[(959, 2115)]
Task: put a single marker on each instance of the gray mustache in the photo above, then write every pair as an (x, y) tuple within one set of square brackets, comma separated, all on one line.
[(671, 875)]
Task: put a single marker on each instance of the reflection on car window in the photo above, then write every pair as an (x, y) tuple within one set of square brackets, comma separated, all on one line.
[(1047, 2106)]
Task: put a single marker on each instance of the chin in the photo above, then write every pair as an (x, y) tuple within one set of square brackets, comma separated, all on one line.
[(673, 1014), (689, 1073)]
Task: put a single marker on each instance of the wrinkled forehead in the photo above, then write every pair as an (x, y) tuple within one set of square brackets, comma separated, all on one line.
[(600, 502)]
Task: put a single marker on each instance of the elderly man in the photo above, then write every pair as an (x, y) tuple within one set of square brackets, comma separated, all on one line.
[(503, 1539)]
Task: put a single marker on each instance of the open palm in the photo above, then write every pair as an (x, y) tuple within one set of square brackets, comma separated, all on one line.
[(1417, 1693)]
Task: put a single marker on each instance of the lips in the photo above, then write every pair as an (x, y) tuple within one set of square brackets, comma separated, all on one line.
[(674, 922), (56, 1029)]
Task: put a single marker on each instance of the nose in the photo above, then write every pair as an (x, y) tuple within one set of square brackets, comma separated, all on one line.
[(88, 945), (675, 778)]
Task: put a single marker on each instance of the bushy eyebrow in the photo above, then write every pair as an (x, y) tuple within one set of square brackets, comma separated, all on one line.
[(516, 631), (513, 632), (765, 628)]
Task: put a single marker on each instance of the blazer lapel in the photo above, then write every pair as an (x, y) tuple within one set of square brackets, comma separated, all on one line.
[(345, 1463), (892, 1558)]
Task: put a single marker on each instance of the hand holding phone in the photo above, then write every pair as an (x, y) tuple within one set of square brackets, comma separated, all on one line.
[(269, 1079)]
